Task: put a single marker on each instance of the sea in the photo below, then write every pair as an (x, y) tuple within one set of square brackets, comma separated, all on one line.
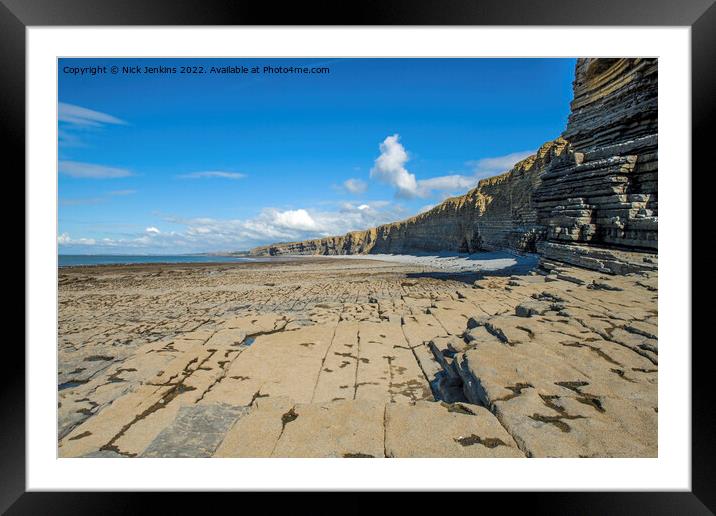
[(68, 260)]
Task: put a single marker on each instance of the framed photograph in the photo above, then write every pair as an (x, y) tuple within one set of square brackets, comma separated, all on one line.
[(399, 247)]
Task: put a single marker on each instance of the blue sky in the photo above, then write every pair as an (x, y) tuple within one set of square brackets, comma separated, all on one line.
[(176, 163)]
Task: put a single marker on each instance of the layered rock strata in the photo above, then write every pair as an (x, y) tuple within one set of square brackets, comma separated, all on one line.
[(602, 194), (588, 198)]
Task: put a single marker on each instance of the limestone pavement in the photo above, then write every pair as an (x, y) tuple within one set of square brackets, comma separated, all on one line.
[(355, 358)]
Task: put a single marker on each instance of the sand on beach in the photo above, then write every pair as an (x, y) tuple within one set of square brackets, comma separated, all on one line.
[(504, 262)]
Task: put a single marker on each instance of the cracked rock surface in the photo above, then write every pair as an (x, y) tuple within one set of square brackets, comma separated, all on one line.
[(355, 358)]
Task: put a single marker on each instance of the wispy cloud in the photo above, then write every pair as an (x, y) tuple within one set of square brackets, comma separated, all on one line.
[(78, 115), (82, 170), (77, 124), (122, 192), (66, 138), (80, 201), (355, 186), (214, 174), (487, 167), (451, 182)]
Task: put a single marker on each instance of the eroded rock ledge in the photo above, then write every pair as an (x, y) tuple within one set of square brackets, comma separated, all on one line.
[(588, 198)]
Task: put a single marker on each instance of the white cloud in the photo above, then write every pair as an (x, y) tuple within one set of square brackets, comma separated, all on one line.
[(355, 186), (79, 169), (65, 239), (270, 225), (78, 115), (390, 167), (452, 182), (214, 173), (293, 219), (487, 167)]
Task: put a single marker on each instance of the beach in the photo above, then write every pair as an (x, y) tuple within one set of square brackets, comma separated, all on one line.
[(367, 356)]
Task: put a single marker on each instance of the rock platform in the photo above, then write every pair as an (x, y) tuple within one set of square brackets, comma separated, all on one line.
[(355, 359)]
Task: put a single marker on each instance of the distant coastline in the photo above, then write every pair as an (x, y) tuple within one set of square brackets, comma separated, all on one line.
[(70, 260)]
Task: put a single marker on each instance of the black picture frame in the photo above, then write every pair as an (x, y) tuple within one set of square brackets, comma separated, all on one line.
[(17, 15)]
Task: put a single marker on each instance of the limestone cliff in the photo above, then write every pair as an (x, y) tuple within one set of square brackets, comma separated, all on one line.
[(604, 193), (588, 198)]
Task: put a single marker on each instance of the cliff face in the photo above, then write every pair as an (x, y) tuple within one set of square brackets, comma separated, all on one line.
[(588, 198), (604, 192)]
